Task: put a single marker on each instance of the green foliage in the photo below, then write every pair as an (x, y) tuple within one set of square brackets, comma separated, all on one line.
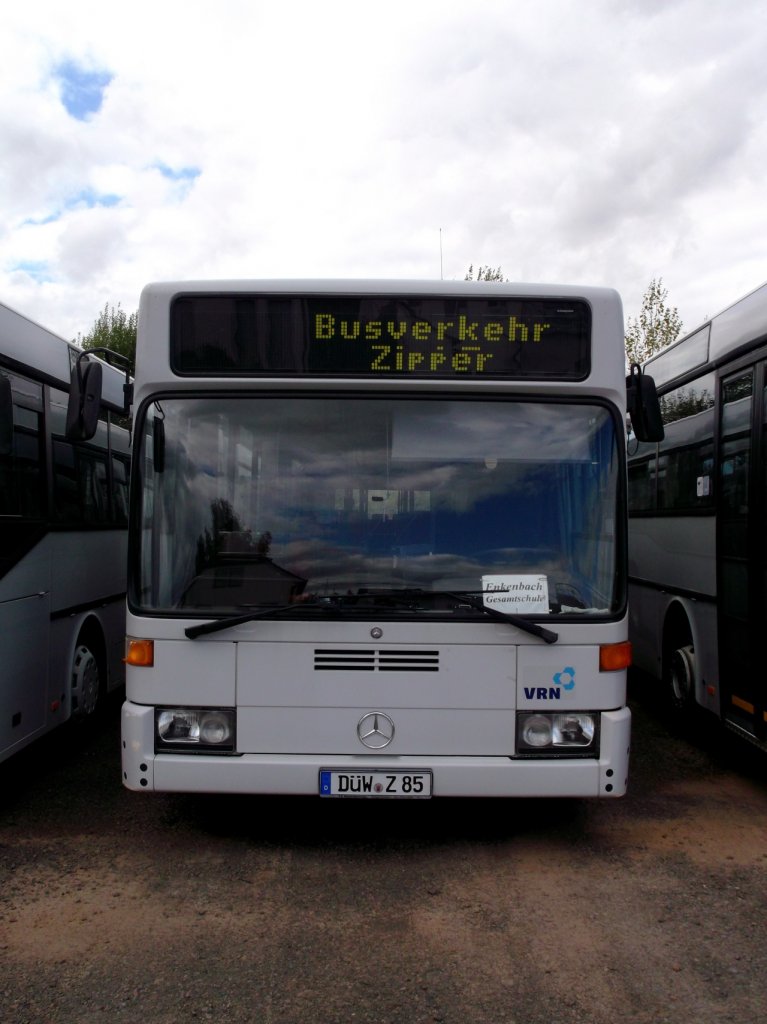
[(657, 325), (485, 274), (113, 329)]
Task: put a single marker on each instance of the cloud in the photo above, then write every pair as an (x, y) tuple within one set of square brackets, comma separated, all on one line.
[(602, 143)]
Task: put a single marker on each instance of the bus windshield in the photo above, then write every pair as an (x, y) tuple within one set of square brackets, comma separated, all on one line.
[(249, 502)]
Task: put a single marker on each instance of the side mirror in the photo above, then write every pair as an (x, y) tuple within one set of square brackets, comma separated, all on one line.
[(6, 416), (643, 406), (84, 400)]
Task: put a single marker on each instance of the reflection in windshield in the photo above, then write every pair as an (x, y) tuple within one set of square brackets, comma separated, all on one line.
[(272, 500)]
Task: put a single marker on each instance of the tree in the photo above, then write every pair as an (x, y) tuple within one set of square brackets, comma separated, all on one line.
[(485, 274), (657, 325), (114, 329)]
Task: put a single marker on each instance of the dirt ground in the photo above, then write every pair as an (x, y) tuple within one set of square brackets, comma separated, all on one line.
[(127, 907)]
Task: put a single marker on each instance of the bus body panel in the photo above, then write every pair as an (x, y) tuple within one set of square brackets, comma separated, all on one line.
[(606, 377), (415, 675), (332, 731), (106, 548), (672, 570), (23, 710), (678, 553), (567, 676), (298, 774), (739, 325), (32, 349), (653, 612), (194, 674), (107, 619), (29, 576), (46, 603)]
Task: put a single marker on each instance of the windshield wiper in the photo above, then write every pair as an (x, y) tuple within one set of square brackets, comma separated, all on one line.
[(403, 597), (336, 604), (263, 613), (508, 617), (467, 597)]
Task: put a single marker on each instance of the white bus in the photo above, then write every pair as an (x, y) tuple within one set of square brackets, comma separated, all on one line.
[(63, 550), (378, 541), (698, 505)]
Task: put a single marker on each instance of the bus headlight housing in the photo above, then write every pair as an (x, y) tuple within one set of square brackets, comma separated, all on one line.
[(572, 734), (199, 730)]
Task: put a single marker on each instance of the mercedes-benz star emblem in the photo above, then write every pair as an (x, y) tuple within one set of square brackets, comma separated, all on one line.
[(375, 730)]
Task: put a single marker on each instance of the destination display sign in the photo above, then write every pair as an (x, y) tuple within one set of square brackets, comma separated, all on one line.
[(378, 336)]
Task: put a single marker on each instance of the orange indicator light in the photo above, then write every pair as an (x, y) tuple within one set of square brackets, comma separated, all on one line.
[(139, 653), (614, 657)]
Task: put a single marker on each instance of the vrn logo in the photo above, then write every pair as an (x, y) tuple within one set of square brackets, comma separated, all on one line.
[(564, 680)]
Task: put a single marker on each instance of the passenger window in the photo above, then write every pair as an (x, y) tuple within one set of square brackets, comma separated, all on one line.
[(94, 487), (21, 471), (686, 454), (80, 485), (120, 490)]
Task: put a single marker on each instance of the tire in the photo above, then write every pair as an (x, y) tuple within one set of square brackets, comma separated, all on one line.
[(680, 679), (86, 680)]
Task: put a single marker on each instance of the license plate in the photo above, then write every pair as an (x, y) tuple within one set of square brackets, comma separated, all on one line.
[(376, 783)]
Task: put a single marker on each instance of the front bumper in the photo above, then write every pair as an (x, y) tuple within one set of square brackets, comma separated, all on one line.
[(298, 774)]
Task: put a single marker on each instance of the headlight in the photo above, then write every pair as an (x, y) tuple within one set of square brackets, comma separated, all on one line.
[(205, 730), (536, 731), (574, 734)]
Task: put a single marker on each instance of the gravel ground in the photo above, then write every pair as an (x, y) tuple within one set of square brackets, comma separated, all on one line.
[(123, 907)]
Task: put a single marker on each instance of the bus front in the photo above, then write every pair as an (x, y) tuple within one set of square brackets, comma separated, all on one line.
[(378, 541)]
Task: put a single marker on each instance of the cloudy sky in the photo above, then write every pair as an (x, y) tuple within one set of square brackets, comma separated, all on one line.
[(596, 142)]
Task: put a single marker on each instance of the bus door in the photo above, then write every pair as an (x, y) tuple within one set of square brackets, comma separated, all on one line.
[(742, 579)]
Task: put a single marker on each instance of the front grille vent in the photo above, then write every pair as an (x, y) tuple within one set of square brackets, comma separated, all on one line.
[(375, 661)]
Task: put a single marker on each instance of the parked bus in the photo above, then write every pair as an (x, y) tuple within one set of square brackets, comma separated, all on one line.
[(63, 552), (698, 504), (378, 541)]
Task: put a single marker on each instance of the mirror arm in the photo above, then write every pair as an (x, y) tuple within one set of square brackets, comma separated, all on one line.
[(121, 362)]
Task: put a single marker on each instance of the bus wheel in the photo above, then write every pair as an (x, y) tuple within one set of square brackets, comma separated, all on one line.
[(681, 678), (86, 681)]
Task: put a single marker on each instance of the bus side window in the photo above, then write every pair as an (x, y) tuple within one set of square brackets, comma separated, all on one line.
[(21, 492), (120, 489), (6, 415), (686, 455), (66, 499), (80, 488), (642, 483), (94, 489)]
